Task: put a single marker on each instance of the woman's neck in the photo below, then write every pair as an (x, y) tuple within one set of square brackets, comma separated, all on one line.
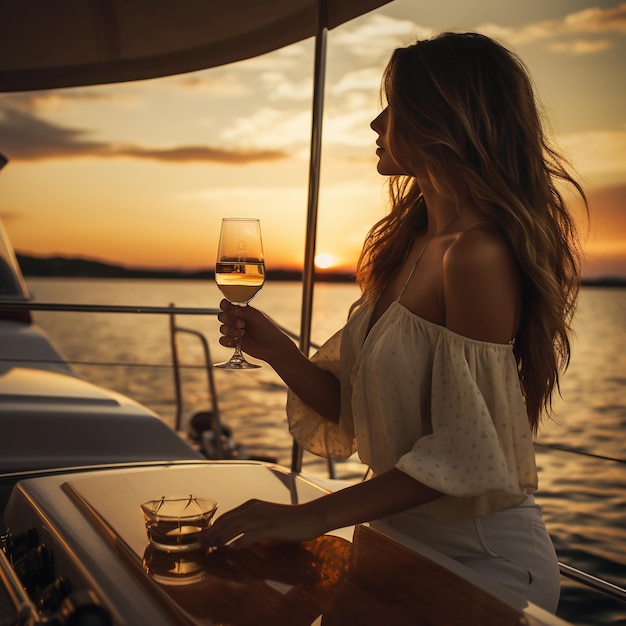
[(447, 211)]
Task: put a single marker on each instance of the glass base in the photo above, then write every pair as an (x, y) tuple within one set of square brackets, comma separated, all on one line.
[(237, 363)]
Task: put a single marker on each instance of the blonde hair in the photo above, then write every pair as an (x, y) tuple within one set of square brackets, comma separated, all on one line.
[(462, 105)]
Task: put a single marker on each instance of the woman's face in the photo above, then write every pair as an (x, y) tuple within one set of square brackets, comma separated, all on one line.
[(386, 163)]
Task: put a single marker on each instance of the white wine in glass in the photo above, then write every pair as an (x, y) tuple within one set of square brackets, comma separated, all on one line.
[(239, 271)]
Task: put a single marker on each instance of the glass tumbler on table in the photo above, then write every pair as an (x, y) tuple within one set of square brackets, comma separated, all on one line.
[(239, 271), (178, 523)]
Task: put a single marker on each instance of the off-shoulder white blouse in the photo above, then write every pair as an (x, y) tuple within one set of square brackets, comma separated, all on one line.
[(444, 409)]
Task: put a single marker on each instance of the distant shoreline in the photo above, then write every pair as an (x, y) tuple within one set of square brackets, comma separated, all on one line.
[(66, 267)]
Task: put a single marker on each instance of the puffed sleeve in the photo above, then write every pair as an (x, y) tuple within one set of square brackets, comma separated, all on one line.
[(310, 429), (480, 442)]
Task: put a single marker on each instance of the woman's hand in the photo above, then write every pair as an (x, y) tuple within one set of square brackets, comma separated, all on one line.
[(260, 337), (263, 339), (256, 520)]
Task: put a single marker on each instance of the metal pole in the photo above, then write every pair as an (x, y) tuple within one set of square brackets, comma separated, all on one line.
[(308, 273), (176, 369)]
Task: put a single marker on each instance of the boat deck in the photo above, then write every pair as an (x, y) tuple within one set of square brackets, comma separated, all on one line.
[(92, 523)]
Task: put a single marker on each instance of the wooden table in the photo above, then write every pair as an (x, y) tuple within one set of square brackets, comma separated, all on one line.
[(331, 581)]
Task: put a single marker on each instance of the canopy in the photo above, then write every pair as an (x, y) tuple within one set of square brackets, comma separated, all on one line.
[(48, 44)]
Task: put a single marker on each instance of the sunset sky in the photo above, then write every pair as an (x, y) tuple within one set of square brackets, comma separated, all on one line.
[(140, 174)]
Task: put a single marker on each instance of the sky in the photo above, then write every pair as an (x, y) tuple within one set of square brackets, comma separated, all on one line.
[(141, 173)]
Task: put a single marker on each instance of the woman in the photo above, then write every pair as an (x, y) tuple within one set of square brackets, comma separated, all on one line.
[(452, 352)]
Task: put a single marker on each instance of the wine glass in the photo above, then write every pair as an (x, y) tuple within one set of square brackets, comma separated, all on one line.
[(239, 271)]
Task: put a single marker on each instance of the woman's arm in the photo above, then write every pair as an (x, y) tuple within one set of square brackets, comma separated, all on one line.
[(384, 495), (261, 338)]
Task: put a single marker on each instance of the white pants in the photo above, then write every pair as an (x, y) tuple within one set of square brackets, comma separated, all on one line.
[(511, 547)]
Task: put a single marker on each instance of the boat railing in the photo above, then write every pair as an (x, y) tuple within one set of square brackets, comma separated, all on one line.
[(568, 571), (588, 580), (212, 417), (221, 446), (593, 582)]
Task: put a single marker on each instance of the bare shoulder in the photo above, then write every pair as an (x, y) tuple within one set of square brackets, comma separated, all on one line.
[(479, 249), (482, 286)]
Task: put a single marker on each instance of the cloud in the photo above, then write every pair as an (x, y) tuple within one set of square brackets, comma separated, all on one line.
[(217, 84), (64, 99), (581, 46), (365, 79), (375, 37), (349, 123), (273, 128), (25, 137), (185, 154), (592, 21), (281, 88), (596, 19)]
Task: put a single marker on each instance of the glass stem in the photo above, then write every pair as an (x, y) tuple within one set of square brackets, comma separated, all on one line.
[(237, 354)]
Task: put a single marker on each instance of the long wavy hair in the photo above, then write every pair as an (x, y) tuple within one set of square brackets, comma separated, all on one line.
[(462, 107)]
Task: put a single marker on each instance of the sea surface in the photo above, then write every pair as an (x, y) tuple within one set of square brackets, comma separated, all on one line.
[(580, 450)]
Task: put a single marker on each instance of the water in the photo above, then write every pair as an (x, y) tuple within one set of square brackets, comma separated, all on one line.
[(583, 496)]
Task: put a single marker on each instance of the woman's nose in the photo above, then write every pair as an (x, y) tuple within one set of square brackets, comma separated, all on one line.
[(378, 124)]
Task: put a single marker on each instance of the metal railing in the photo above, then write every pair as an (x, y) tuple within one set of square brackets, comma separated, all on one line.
[(104, 308), (593, 582)]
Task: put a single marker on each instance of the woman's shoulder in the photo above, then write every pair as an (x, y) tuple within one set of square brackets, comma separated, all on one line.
[(480, 244), (481, 252), (482, 286)]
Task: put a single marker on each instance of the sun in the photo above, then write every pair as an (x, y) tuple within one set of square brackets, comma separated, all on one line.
[(324, 261)]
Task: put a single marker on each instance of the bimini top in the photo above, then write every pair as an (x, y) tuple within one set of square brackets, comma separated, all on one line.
[(69, 43)]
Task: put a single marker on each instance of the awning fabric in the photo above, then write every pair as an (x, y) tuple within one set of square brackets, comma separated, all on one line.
[(47, 44)]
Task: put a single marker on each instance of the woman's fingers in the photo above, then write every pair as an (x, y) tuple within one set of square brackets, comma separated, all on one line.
[(228, 529), (233, 309), (233, 324), (260, 337), (233, 331), (256, 520)]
